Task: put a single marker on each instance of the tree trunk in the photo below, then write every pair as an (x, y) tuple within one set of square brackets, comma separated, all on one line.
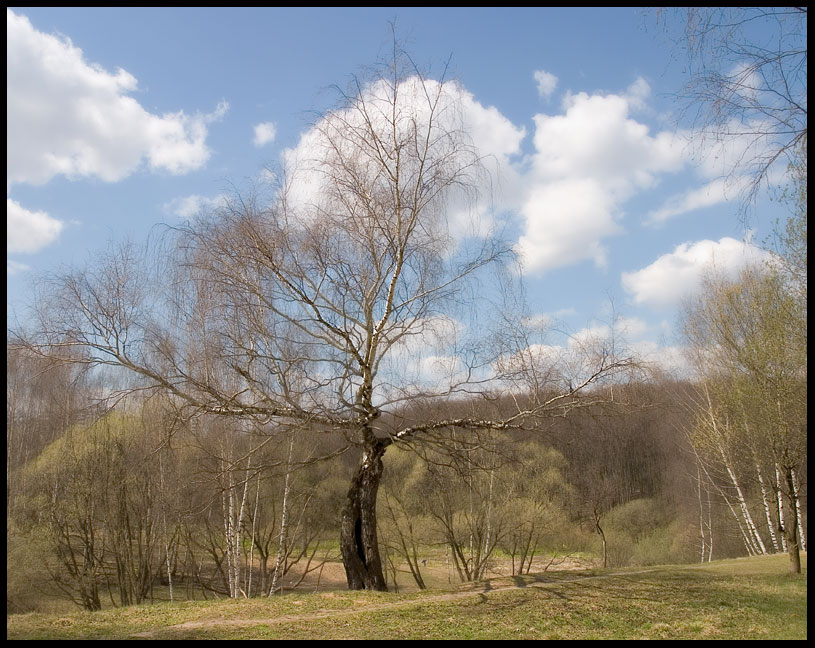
[(602, 535), (358, 540), (765, 501), (284, 522), (755, 539), (791, 527), (801, 534), (780, 499)]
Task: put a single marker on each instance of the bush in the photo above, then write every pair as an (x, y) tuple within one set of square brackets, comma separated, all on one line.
[(29, 587), (640, 532)]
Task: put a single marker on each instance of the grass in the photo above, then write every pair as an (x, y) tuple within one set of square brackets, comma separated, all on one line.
[(733, 599)]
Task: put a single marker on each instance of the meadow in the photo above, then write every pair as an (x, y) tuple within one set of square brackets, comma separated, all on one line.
[(748, 598)]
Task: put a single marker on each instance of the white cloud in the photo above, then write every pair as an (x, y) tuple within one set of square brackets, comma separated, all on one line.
[(569, 195), (73, 118), (423, 360), (189, 207), (440, 373), (493, 135), (708, 195), (631, 328), (547, 83), (265, 133), (596, 138), (677, 274), (538, 321), (13, 267), (29, 231), (669, 358), (588, 162), (637, 93), (726, 164), (565, 223)]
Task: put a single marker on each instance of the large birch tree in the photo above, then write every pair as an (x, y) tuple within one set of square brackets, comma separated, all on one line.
[(368, 298)]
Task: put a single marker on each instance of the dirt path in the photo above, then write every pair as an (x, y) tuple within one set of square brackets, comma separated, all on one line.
[(483, 590)]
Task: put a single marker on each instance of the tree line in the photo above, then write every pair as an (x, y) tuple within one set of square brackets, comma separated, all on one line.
[(131, 504)]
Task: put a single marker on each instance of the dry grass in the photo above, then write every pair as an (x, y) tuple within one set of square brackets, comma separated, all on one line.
[(736, 599)]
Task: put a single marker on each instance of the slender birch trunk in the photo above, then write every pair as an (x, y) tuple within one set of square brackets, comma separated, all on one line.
[(239, 529), (756, 540), (766, 503), (164, 525), (252, 545), (709, 526), (748, 545), (226, 509), (489, 515), (801, 536), (707, 541), (748, 519), (701, 509), (791, 529), (780, 504), (283, 520)]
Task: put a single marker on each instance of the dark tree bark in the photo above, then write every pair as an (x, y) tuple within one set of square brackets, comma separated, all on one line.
[(358, 537)]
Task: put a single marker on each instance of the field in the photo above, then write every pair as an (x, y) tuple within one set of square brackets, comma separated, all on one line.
[(732, 599)]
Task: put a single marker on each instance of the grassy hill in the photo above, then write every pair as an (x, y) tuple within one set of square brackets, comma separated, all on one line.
[(733, 599)]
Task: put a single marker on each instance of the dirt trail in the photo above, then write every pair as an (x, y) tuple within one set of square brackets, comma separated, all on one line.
[(483, 589)]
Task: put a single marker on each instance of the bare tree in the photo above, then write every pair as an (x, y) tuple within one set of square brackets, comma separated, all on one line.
[(747, 84), (351, 293)]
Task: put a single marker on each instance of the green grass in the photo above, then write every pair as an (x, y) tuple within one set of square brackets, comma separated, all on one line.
[(734, 599)]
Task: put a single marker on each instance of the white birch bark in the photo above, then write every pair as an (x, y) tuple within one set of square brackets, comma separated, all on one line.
[(801, 537), (283, 520), (755, 538), (766, 503), (164, 525), (252, 545), (709, 527), (226, 505), (701, 509), (780, 503), (489, 515), (751, 550), (238, 528), (748, 519)]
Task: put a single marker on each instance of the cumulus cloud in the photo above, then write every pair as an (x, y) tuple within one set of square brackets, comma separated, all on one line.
[(265, 133), (637, 94), (547, 82), (566, 222), (69, 117), (677, 274), (73, 118), (589, 159), (588, 162), (188, 207), (668, 358), (495, 137), (29, 231)]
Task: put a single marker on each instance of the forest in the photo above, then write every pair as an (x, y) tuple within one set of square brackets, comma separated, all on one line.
[(345, 374), (133, 505)]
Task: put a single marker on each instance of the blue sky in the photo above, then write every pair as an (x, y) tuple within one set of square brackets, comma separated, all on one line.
[(121, 118)]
